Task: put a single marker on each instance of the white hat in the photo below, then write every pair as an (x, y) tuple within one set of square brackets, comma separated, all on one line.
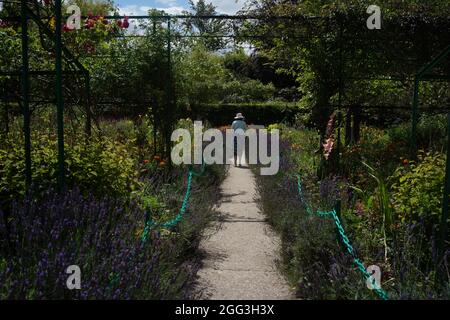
[(239, 116)]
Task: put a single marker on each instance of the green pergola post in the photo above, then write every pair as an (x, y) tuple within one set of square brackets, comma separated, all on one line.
[(26, 92), (445, 202), (340, 93), (421, 75), (59, 97), (88, 106), (170, 110), (414, 119)]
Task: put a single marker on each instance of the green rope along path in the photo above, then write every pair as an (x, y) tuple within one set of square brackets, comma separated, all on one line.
[(149, 223), (377, 288)]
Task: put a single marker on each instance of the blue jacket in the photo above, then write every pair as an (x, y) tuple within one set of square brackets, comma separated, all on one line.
[(239, 124)]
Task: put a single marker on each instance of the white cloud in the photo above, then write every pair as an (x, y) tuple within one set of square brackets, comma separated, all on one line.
[(173, 10), (131, 10), (168, 3), (134, 10), (172, 7)]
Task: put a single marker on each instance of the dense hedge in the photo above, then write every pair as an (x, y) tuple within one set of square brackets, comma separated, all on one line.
[(257, 113)]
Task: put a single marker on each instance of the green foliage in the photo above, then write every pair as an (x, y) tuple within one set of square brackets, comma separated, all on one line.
[(207, 28), (263, 113), (383, 197), (418, 189), (314, 262), (344, 49), (98, 168), (304, 145), (203, 75), (207, 77), (431, 132), (249, 91)]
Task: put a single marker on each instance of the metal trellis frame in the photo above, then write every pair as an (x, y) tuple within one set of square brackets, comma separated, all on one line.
[(60, 52), (422, 75), (63, 51)]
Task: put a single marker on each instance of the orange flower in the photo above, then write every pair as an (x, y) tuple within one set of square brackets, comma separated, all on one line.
[(162, 163), (405, 162), (146, 161), (157, 158)]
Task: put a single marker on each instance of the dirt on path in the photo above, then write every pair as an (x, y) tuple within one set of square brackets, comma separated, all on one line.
[(241, 252)]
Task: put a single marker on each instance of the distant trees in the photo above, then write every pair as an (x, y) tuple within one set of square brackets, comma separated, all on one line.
[(212, 31), (338, 53)]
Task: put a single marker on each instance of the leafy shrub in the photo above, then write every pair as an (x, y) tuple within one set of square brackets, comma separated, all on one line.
[(377, 148), (99, 167), (418, 188), (249, 91), (300, 145), (138, 132), (314, 258), (120, 130), (431, 132), (385, 148), (258, 113)]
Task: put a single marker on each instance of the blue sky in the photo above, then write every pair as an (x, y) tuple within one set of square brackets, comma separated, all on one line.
[(140, 7)]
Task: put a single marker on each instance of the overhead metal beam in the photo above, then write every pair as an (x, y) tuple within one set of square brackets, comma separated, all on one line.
[(38, 73)]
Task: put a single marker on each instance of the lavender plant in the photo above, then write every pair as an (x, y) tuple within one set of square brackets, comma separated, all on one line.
[(314, 259), (40, 239)]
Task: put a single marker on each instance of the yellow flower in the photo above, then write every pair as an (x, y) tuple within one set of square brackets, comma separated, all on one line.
[(52, 23)]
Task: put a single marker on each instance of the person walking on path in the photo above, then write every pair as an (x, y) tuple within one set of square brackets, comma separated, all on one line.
[(239, 126)]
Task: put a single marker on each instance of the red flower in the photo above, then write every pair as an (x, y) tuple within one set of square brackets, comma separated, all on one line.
[(125, 23), (89, 24)]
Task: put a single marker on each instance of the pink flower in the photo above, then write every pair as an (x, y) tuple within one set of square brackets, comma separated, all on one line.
[(328, 147), (330, 125)]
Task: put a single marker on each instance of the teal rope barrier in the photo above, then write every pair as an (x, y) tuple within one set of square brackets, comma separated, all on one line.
[(380, 292), (202, 170), (149, 223)]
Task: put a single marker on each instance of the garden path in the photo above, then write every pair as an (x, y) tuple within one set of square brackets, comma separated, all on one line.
[(241, 252)]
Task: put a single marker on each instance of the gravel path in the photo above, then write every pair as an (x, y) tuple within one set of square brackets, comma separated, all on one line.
[(241, 253)]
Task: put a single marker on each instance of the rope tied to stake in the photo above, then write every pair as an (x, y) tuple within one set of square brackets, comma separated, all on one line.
[(149, 223), (377, 287)]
